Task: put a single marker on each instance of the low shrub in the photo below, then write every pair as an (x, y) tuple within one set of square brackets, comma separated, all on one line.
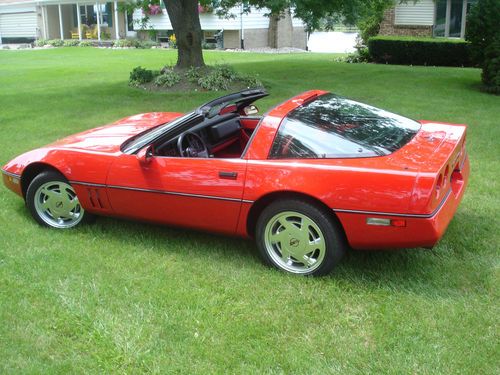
[(205, 45), (167, 78), (361, 55), (55, 42), (86, 43), (211, 78), (219, 78), (125, 43), (145, 44), (419, 51), (193, 74), (71, 43), (139, 76), (250, 81), (40, 42)]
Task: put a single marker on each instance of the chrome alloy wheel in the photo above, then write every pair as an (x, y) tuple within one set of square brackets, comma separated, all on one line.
[(294, 242), (57, 205)]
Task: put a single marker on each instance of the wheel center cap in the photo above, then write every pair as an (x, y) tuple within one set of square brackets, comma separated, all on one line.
[(294, 242), (59, 204)]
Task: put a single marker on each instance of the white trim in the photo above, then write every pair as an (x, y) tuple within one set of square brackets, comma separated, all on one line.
[(98, 16), (117, 28), (464, 19), (79, 21), (44, 22), (60, 22)]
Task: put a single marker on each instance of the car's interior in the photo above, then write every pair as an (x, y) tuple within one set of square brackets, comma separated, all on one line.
[(223, 133)]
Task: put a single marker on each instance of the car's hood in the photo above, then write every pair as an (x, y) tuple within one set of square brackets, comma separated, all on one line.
[(108, 138)]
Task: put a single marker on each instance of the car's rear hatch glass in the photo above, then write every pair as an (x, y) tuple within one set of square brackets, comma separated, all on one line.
[(335, 127)]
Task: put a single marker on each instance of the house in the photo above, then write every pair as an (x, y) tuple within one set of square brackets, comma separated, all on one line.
[(438, 18), (238, 30), (23, 21)]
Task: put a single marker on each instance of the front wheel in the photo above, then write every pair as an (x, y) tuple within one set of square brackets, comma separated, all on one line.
[(53, 202), (298, 237)]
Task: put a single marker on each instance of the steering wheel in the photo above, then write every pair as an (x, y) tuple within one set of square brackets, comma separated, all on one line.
[(191, 145)]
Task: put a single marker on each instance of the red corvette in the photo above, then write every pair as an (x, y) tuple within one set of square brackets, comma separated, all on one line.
[(309, 178)]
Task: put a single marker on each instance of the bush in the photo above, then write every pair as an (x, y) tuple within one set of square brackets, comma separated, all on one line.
[(145, 44), (482, 27), (205, 45), (55, 42), (360, 56), (250, 81), (219, 78), (167, 78), (125, 43), (71, 43), (491, 68), (419, 51), (139, 76), (369, 27), (40, 42), (193, 74), (484, 35), (86, 43)]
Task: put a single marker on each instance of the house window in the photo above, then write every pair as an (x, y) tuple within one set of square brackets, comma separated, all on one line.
[(450, 18)]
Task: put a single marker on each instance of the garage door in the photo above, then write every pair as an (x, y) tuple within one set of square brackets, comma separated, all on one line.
[(18, 25)]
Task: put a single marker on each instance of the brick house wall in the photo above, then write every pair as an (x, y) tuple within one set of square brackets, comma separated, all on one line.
[(388, 27)]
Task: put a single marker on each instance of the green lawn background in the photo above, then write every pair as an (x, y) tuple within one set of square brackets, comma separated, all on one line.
[(126, 297)]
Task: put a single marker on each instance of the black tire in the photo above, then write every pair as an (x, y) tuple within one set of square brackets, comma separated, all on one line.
[(53, 203), (299, 237)]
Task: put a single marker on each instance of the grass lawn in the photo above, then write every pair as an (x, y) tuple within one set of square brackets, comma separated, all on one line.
[(126, 297)]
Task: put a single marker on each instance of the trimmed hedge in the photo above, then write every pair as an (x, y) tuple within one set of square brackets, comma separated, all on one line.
[(420, 51)]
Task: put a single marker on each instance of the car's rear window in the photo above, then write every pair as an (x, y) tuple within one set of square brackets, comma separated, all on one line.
[(335, 127)]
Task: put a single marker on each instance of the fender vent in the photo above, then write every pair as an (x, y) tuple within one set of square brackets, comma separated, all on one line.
[(94, 198)]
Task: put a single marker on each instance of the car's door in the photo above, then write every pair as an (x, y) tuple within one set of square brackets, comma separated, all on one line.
[(203, 193)]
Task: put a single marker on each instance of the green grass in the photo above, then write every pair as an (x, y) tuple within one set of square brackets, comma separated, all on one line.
[(126, 297)]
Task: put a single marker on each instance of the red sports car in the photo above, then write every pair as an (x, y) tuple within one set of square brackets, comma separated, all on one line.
[(311, 177)]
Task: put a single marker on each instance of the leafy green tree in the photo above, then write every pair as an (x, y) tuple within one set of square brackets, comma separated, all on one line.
[(185, 19), (484, 34)]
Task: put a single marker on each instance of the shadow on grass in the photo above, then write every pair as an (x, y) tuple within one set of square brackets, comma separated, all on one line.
[(444, 271)]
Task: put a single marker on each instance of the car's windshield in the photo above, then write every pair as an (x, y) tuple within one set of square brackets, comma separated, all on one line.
[(336, 127), (147, 136)]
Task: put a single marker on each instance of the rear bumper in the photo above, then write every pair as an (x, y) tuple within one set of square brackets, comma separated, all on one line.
[(419, 230)]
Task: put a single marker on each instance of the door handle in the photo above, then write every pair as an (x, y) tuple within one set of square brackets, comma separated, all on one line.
[(228, 175)]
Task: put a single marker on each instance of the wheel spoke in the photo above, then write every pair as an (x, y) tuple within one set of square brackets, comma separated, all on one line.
[(278, 237), (50, 193)]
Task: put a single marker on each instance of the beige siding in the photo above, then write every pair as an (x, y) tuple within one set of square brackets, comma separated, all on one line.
[(419, 13)]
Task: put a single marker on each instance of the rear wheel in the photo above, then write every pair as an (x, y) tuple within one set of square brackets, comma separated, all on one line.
[(299, 237), (53, 202)]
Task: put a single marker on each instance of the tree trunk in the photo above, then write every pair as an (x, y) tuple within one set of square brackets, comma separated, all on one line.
[(185, 21)]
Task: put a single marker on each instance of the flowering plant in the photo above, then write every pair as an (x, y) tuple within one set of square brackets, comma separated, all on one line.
[(154, 9)]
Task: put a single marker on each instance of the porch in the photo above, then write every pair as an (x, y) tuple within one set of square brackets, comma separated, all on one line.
[(82, 20)]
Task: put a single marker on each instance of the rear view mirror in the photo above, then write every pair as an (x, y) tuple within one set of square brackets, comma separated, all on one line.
[(250, 110), (144, 155)]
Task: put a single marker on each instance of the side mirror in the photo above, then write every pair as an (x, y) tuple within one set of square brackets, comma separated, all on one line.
[(250, 110), (144, 155)]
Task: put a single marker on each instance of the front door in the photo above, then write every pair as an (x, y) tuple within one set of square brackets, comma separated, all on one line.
[(201, 193)]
